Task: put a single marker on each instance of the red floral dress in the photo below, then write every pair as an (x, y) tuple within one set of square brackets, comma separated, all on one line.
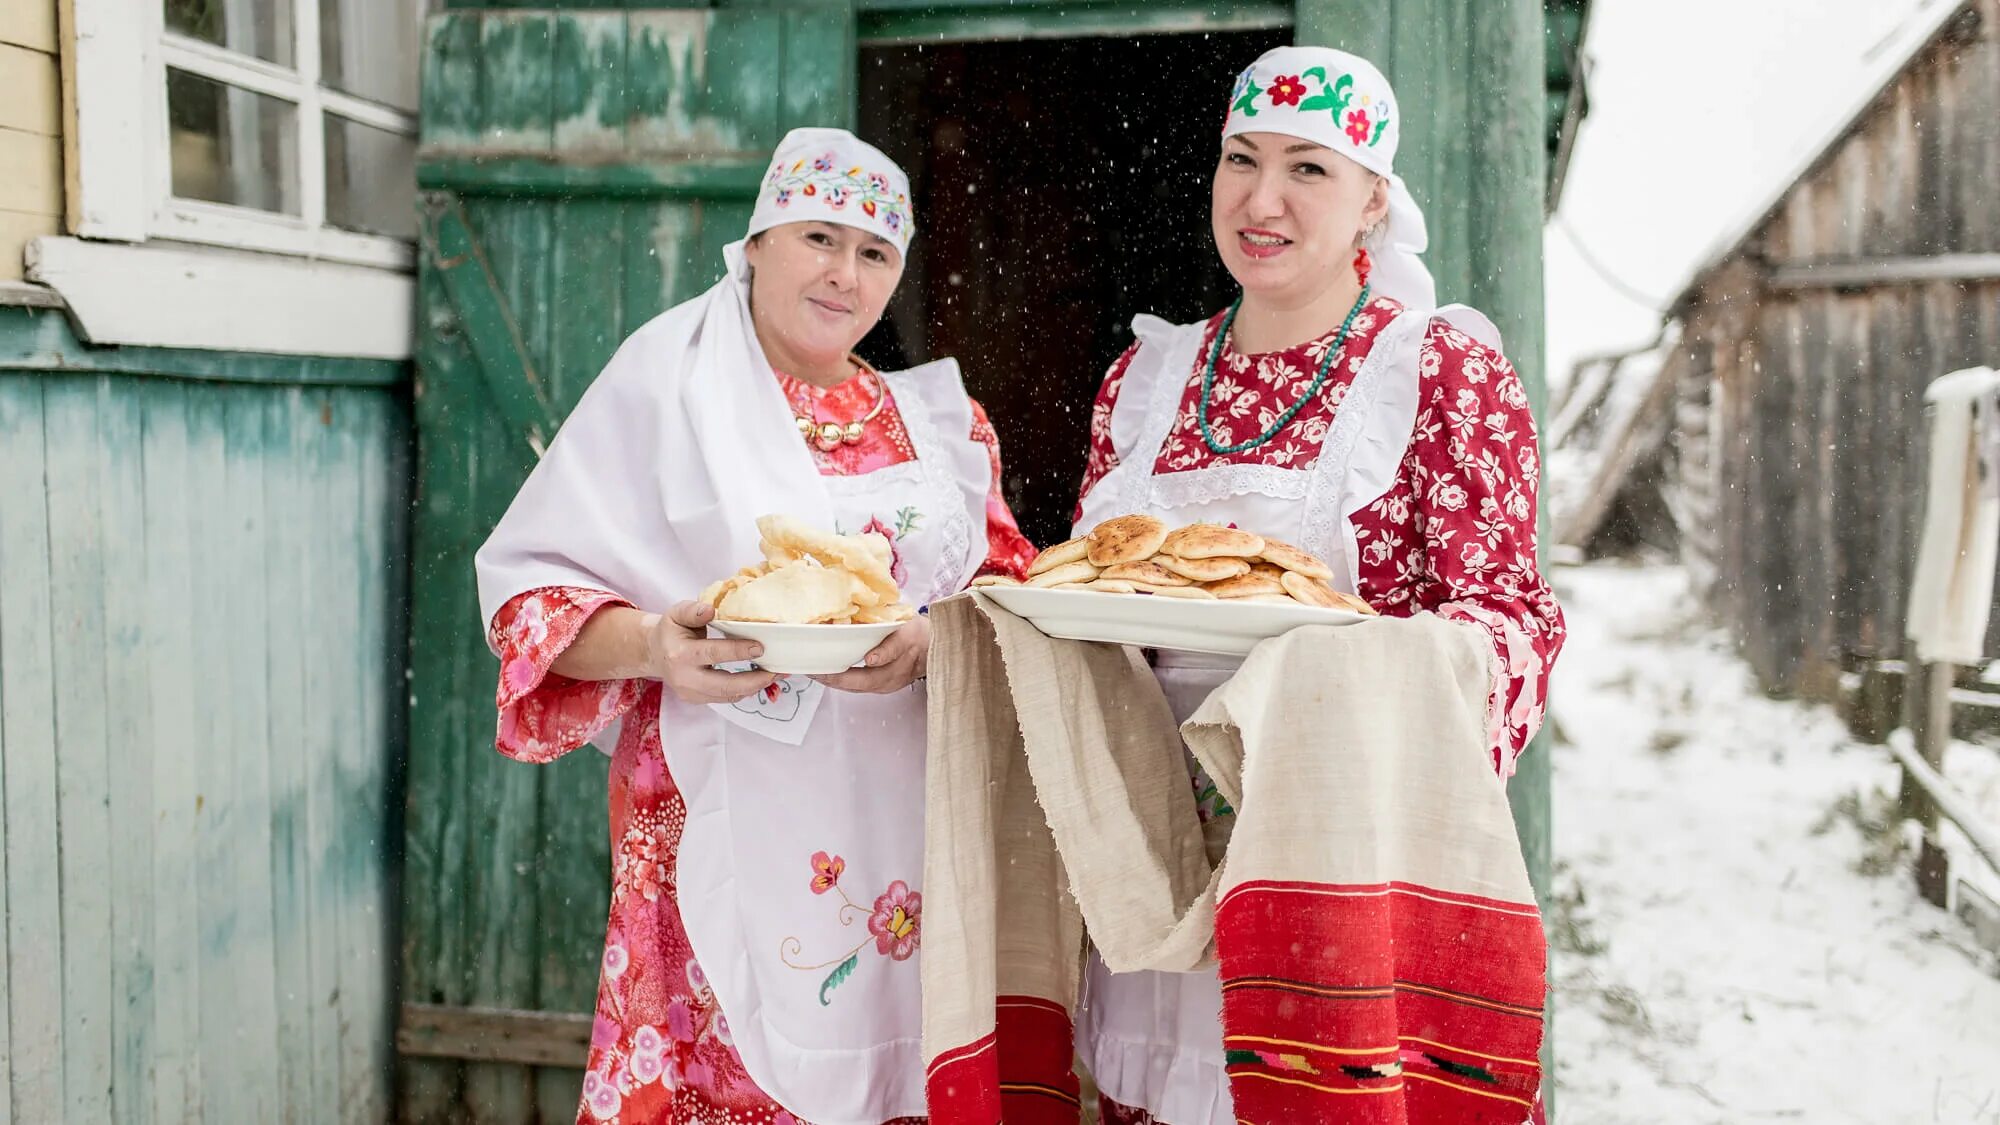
[(660, 1050), (1454, 534)]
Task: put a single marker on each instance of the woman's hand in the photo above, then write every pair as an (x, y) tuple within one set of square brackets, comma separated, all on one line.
[(899, 661), (681, 656)]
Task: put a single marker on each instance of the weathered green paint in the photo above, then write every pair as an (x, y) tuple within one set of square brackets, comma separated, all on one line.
[(526, 177), (600, 176), (483, 316), (201, 584)]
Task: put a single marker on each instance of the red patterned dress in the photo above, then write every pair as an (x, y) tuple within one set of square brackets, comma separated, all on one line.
[(660, 1052), (1454, 534)]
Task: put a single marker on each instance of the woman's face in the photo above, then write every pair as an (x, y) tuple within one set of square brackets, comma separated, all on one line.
[(1288, 214), (817, 289)]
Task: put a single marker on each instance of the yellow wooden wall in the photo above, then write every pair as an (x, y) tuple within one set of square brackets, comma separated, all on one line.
[(31, 177)]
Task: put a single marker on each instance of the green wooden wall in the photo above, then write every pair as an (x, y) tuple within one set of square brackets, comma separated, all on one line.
[(201, 621)]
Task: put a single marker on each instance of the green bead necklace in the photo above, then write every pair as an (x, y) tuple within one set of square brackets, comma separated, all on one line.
[(1319, 380)]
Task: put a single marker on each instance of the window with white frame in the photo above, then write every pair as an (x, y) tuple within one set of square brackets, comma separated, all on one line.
[(283, 125)]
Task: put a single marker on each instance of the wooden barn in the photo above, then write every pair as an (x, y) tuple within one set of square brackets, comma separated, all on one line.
[(290, 291), (1781, 425)]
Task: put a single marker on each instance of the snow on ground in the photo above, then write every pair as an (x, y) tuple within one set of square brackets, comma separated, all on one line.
[(1737, 937)]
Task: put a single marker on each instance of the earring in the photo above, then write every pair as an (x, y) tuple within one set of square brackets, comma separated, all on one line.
[(1362, 265)]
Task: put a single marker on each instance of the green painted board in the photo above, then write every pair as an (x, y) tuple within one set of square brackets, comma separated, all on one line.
[(175, 554)]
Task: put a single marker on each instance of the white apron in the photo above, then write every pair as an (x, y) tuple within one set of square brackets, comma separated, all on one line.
[(845, 1050), (1154, 1040), (651, 491)]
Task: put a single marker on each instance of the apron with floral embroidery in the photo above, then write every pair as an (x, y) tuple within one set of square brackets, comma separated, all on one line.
[(799, 865), (1153, 1040)]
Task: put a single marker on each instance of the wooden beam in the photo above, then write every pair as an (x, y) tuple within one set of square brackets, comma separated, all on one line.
[(1868, 273), (528, 176), (494, 1035), (978, 22), (1938, 790)]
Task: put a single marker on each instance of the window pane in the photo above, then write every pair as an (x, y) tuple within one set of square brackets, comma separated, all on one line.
[(371, 179), (228, 145), (254, 27), (368, 48)]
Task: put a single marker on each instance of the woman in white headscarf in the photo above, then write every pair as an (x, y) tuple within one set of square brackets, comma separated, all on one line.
[(1334, 406), (759, 963)]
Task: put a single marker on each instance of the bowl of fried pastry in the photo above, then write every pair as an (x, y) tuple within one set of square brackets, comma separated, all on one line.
[(818, 602), (1197, 588)]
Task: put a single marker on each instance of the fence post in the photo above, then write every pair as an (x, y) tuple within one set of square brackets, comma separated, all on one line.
[(1927, 712)]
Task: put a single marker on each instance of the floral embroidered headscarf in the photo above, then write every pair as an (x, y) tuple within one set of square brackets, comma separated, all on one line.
[(1341, 101), (832, 176)]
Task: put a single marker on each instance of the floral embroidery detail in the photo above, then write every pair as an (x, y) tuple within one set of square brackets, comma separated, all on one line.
[(826, 872), (1357, 126), (1365, 121), (1243, 99), (894, 922), (838, 188), (908, 519), (616, 959), (892, 925), (1286, 90)]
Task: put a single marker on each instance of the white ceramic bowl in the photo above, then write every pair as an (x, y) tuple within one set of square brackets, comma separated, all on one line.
[(808, 650)]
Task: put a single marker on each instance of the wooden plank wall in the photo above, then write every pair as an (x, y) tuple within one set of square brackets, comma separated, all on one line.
[(31, 190), (508, 865), (1813, 428), (201, 592)]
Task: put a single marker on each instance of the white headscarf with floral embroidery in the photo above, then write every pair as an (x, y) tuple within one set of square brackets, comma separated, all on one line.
[(833, 176), (1341, 101)]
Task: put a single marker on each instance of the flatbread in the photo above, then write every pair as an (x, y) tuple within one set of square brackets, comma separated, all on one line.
[(1351, 601), (1062, 553), (1146, 571), (986, 580), (1290, 558), (1203, 570), (1245, 586), (866, 555), (1106, 586), (1126, 539), (884, 614), (797, 593), (1212, 541), (1310, 591), (1067, 572), (1193, 593)]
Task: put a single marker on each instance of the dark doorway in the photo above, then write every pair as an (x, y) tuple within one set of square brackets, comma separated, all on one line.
[(1061, 187)]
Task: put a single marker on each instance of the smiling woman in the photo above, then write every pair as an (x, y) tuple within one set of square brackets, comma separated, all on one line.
[(729, 990), (1334, 406), (816, 288)]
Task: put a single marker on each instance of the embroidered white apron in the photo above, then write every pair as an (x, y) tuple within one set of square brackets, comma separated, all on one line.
[(651, 491), (1154, 1040), (814, 963)]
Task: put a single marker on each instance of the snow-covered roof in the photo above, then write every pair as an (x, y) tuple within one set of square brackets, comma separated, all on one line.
[(1900, 51)]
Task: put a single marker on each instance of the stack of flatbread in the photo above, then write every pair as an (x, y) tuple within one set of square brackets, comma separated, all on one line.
[(812, 577), (1139, 554)]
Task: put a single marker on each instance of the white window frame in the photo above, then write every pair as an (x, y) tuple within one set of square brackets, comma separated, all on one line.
[(122, 187)]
